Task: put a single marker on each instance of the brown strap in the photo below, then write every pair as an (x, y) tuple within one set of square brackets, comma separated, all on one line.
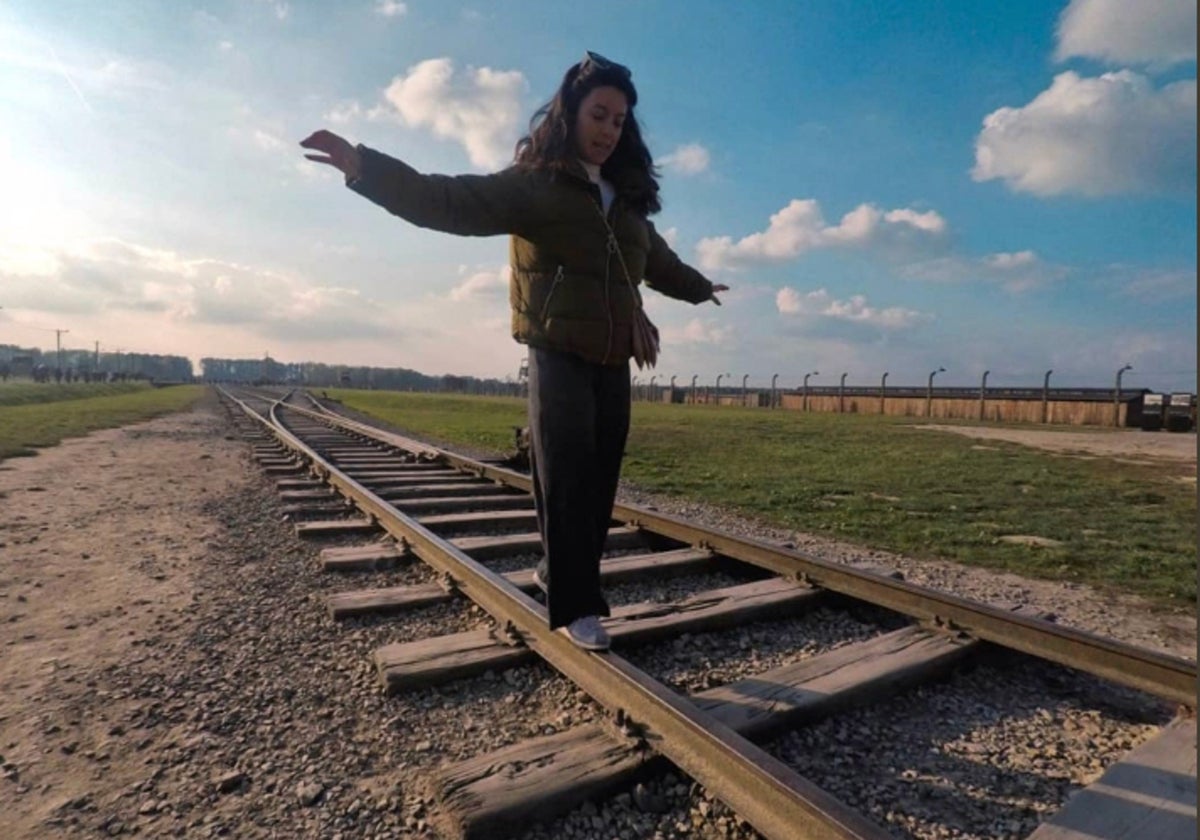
[(613, 246)]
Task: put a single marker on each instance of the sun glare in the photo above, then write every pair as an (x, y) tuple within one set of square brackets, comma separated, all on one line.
[(35, 214)]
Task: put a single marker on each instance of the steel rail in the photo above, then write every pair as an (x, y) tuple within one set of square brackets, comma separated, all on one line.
[(773, 798), (1170, 677)]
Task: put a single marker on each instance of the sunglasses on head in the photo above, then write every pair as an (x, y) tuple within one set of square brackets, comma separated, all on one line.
[(594, 61)]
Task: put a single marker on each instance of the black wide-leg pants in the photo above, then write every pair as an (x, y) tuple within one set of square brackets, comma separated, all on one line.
[(578, 423)]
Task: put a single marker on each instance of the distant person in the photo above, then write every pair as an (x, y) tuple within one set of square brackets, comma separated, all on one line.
[(576, 203)]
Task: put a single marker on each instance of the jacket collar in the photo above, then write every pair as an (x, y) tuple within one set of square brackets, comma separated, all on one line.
[(576, 170)]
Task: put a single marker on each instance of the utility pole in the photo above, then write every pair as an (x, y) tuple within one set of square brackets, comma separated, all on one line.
[(58, 334)]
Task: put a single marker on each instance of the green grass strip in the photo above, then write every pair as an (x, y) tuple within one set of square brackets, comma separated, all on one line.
[(16, 392), (24, 428), (880, 482)]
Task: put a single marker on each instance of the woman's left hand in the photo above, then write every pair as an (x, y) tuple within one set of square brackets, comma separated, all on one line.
[(336, 152), (718, 287)]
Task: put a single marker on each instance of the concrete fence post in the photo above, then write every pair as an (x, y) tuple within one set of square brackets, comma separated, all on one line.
[(1046, 397), (1117, 397)]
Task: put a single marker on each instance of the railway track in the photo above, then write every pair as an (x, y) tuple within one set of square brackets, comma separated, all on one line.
[(471, 521)]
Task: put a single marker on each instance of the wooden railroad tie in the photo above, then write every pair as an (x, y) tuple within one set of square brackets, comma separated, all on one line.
[(1150, 793), (550, 775), (459, 655), (400, 598)]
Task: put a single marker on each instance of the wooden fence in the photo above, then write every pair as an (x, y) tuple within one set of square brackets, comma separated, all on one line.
[(1060, 406)]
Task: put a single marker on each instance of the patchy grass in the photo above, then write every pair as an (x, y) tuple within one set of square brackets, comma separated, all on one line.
[(449, 420), (25, 392), (28, 426), (875, 481)]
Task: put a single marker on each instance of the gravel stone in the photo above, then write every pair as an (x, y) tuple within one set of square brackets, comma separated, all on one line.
[(246, 686)]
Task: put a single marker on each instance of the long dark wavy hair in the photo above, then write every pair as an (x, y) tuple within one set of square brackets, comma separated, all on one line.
[(550, 143)]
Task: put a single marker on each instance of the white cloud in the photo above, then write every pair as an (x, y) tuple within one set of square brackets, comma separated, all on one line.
[(391, 8), (478, 108), (1015, 272), (929, 221), (820, 303), (1094, 136), (482, 284), (113, 277), (225, 46), (281, 9), (689, 159), (698, 331), (800, 227), (1156, 355), (344, 112), (1005, 261), (1154, 285), (670, 236), (266, 141), (1155, 32)]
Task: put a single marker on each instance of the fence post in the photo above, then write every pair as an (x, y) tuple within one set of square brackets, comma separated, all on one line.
[(929, 391), (1117, 397), (805, 401), (1046, 397)]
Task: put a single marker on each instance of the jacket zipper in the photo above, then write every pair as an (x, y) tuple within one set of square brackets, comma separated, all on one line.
[(610, 241), (558, 278), (607, 302)]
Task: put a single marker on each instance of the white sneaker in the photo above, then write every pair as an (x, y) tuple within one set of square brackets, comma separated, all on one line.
[(588, 633)]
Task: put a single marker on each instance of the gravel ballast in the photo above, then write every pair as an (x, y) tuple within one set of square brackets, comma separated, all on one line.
[(173, 673)]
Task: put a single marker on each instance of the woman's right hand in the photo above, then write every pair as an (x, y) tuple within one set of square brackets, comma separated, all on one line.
[(337, 152)]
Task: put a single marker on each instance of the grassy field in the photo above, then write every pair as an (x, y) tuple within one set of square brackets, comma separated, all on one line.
[(30, 419), (26, 392), (875, 481)]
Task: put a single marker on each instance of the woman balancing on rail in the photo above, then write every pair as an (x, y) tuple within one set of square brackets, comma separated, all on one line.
[(575, 202)]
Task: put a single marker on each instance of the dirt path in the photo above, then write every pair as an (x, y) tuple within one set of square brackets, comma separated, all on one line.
[(1126, 444), (99, 539)]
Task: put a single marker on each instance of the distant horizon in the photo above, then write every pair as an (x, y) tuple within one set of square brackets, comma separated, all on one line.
[(883, 185), (943, 379)]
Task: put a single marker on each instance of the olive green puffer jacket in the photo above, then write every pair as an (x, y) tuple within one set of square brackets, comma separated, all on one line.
[(568, 290)]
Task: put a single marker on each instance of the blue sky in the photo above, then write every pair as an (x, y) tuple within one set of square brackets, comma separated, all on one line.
[(885, 186)]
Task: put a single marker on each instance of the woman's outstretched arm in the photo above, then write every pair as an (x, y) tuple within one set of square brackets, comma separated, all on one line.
[(469, 205), (668, 274)]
